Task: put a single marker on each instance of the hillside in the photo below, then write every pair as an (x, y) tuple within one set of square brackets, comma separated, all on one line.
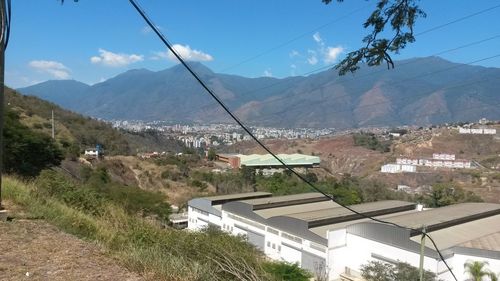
[(418, 91), (53, 254), (340, 156), (75, 132)]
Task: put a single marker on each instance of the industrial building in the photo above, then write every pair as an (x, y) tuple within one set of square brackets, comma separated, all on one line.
[(267, 161), (327, 239), (463, 232), (206, 211)]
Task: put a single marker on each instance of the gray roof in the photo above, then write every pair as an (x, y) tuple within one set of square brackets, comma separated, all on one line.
[(322, 230), (220, 199), (438, 218), (471, 234), (292, 209), (286, 200), (179, 217), (209, 204), (341, 214), (297, 216), (487, 242), (461, 228)]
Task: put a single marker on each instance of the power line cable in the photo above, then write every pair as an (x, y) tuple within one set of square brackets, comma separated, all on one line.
[(346, 16), (295, 38), (392, 84), (458, 20), (416, 35), (397, 99), (5, 21), (373, 72), (221, 103)]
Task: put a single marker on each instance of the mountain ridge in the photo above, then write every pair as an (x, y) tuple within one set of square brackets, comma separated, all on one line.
[(419, 91)]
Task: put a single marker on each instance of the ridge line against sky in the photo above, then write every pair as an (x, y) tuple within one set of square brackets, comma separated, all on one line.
[(91, 42)]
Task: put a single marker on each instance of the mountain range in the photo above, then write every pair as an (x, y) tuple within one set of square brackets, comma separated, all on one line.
[(419, 91)]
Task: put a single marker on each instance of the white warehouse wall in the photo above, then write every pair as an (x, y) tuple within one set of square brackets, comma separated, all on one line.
[(355, 251)]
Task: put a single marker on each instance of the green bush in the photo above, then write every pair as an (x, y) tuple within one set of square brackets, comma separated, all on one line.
[(27, 152), (286, 271), (160, 254), (370, 141)]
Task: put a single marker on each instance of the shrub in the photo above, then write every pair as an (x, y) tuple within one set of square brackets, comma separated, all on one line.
[(286, 271)]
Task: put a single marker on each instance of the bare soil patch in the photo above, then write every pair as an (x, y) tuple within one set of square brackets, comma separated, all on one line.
[(35, 250)]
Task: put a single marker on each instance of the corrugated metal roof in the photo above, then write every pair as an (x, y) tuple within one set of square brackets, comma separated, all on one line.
[(474, 234), (287, 210), (489, 242), (322, 230), (269, 160), (340, 212), (447, 216), (286, 200), (238, 196)]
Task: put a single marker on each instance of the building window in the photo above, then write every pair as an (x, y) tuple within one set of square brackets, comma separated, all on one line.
[(274, 246), (268, 244), (279, 248)]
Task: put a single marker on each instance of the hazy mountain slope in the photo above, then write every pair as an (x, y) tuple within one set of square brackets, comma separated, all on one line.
[(418, 91), (62, 92)]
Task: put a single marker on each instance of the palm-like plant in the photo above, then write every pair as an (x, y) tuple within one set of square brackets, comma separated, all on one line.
[(493, 276), (477, 270)]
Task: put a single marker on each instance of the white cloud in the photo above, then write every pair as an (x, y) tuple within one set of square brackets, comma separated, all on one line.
[(108, 58), (54, 68), (332, 53), (294, 53), (312, 59), (185, 52), (293, 69), (267, 73), (317, 38)]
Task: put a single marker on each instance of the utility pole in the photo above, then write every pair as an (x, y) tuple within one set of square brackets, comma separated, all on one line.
[(422, 254), (53, 127), (2, 71)]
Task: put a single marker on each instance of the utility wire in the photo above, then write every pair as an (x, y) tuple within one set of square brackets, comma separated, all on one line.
[(294, 39), (458, 20), (236, 119), (221, 103), (399, 82), (346, 16), (5, 22), (418, 34), (407, 98), (373, 72)]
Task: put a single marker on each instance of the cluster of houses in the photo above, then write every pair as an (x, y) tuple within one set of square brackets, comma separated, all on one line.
[(477, 131), (438, 160), (329, 240)]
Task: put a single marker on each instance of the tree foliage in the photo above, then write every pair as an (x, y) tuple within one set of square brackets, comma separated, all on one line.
[(27, 152), (286, 271), (477, 270), (380, 271), (444, 194), (400, 16), (370, 141), (211, 154)]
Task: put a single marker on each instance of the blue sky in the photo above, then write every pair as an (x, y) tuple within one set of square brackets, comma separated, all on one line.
[(91, 40)]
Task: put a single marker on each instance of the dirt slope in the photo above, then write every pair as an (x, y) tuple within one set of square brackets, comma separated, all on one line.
[(36, 250)]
